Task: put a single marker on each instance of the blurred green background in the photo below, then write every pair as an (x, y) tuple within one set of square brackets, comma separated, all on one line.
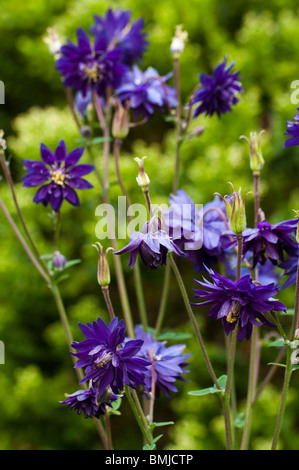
[(262, 38)]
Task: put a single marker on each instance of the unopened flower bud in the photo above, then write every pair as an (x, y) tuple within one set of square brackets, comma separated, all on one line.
[(255, 151), (58, 260), (178, 41), (297, 334), (53, 41), (86, 131), (236, 213), (142, 178), (103, 266), (120, 124)]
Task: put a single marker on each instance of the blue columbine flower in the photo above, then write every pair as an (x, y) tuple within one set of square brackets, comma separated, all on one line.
[(293, 131), (107, 359), (88, 402), (117, 30), (151, 245), (61, 173), (90, 67), (200, 231), (218, 91), (270, 242), (146, 91), (168, 361), (239, 303)]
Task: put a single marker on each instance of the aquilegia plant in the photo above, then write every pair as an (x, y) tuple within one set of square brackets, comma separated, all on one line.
[(238, 269)]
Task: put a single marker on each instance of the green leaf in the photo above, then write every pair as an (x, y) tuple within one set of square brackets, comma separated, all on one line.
[(46, 256), (276, 364), (214, 389), (172, 335), (289, 311), (152, 446), (165, 423), (277, 343), (71, 262), (99, 140), (240, 420)]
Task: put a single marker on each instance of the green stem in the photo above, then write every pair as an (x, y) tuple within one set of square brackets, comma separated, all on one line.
[(140, 295), (23, 242), (251, 390), (230, 440), (108, 431), (139, 415), (227, 392), (285, 389), (136, 270), (178, 124), (57, 230), (110, 308), (193, 319), (106, 135), (163, 303), (9, 180)]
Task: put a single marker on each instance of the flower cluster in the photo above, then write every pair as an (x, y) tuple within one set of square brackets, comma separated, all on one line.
[(89, 402), (145, 92), (199, 232), (167, 363), (218, 92), (110, 361), (152, 245), (241, 303), (270, 242), (107, 66), (106, 360)]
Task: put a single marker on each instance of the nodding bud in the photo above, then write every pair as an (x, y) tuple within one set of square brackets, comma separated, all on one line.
[(2, 140), (58, 260), (235, 208), (86, 131), (103, 266), (178, 41), (142, 178), (121, 121), (255, 151)]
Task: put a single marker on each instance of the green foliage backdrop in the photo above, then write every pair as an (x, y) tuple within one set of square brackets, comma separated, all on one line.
[(262, 38)]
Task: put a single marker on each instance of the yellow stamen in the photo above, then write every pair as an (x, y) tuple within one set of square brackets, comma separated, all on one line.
[(58, 177), (93, 73), (234, 313)]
